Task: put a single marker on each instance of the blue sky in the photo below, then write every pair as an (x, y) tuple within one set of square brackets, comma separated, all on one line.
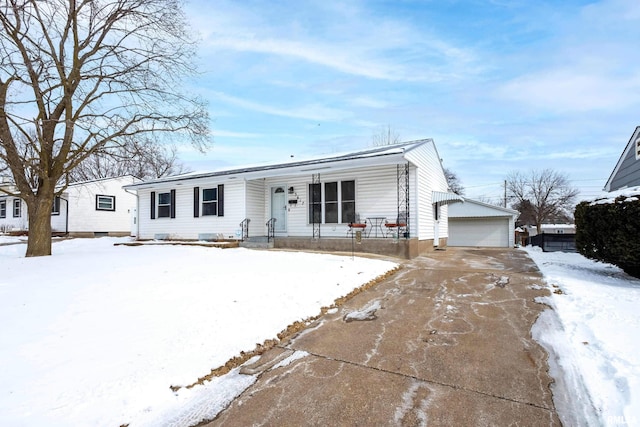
[(499, 85)]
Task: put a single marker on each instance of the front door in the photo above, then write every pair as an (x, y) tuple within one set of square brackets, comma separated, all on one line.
[(279, 208)]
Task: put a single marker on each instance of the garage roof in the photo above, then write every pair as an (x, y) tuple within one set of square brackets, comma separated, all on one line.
[(475, 209)]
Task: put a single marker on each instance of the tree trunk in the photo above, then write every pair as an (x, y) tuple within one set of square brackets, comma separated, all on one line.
[(39, 211)]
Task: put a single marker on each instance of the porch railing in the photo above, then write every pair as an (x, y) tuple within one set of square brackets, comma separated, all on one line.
[(271, 229), (244, 227)]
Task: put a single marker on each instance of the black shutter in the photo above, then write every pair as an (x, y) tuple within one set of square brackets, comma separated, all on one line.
[(153, 205), (196, 202), (221, 200), (173, 203)]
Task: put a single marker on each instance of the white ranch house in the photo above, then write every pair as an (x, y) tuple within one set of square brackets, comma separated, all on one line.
[(93, 208), (310, 203)]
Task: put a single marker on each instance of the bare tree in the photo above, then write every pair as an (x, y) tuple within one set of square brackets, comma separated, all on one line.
[(386, 136), (78, 77), (144, 159), (453, 182), (547, 194)]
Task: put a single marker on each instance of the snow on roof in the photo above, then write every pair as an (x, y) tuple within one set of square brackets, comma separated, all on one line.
[(630, 193), (556, 226), (387, 150)]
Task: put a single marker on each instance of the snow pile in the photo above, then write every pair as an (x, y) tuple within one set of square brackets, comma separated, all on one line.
[(594, 335), (96, 334), (366, 313)]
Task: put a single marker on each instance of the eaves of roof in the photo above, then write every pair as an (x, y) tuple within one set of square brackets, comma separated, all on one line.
[(373, 156)]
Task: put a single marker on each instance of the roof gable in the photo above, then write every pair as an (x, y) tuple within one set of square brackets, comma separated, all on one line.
[(474, 209), (629, 157)]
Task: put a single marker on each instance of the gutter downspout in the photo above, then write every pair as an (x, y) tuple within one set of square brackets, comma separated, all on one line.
[(66, 220)]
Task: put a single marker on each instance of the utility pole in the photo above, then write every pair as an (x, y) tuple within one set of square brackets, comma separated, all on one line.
[(505, 193)]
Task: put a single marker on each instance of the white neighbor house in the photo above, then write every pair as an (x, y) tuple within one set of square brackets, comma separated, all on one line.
[(312, 201), (85, 209)]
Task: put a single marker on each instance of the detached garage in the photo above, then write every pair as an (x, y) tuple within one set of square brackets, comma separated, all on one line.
[(474, 223)]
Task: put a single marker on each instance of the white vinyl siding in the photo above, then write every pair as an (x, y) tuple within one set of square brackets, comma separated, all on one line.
[(184, 225), (376, 194), (255, 203), (429, 178)]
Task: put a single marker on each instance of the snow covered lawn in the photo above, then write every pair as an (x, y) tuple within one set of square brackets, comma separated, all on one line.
[(594, 333), (96, 334)]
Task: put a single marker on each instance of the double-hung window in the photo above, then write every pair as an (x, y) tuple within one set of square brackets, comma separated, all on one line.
[(164, 205), (3, 208), (210, 201), (332, 202), (17, 208)]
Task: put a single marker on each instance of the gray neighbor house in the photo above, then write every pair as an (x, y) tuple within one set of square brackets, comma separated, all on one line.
[(627, 171)]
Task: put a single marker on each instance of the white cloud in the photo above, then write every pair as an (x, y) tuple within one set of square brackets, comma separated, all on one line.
[(573, 90), (308, 112)]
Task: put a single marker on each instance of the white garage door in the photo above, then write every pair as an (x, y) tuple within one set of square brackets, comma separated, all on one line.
[(483, 232)]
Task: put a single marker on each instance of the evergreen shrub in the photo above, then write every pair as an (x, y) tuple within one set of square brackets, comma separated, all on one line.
[(610, 232)]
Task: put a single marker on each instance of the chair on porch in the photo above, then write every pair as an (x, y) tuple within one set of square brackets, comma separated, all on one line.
[(356, 225), (397, 228)]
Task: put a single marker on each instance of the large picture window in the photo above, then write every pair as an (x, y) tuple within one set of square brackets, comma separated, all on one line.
[(332, 202), (105, 203)]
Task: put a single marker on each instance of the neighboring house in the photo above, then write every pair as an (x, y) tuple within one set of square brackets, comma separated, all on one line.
[(553, 237), (551, 229), (85, 209), (13, 212), (310, 202), (479, 224), (627, 171)]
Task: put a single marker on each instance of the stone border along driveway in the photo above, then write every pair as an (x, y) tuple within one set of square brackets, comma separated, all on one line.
[(445, 341)]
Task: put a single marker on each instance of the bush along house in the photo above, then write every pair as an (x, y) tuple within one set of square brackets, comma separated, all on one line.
[(389, 200)]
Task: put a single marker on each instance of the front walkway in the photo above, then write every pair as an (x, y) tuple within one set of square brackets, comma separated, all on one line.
[(446, 341)]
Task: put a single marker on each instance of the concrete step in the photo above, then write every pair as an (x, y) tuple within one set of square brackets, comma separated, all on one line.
[(257, 242)]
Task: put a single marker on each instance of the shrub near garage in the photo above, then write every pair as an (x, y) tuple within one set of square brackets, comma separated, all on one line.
[(609, 231)]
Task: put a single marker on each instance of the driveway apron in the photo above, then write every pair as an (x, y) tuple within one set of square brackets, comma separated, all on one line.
[(445, 341)]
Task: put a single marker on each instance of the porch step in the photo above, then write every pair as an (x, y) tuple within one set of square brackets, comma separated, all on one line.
[(257, 242)]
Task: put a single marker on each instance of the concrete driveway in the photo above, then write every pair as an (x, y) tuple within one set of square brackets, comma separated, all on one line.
[(444, 342)]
